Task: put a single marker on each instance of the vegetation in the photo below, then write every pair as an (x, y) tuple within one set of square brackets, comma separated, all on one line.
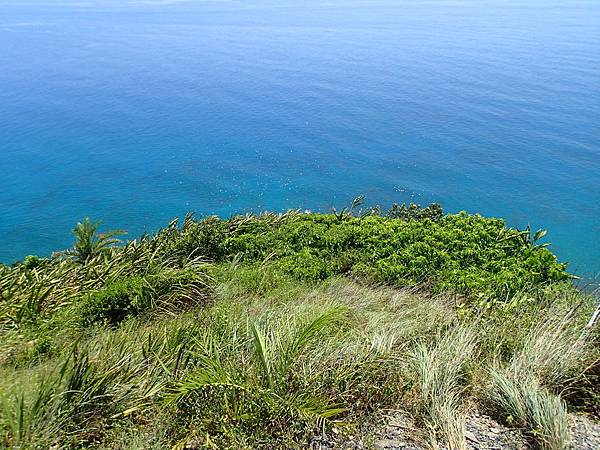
[(265, 331), (89, 243)]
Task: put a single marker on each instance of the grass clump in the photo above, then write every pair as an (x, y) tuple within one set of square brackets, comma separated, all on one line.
[(523, 403), (263, 370), (526, 392), (440, 371)]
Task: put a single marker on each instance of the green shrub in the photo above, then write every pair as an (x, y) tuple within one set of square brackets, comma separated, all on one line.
[(478, 258), (466, 254), (415, 212), (116, 301), (33, 261), (169, 289), (307, 265), (251, 280), (203, 238)]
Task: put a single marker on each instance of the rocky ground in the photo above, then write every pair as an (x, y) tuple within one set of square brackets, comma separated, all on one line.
[(485, 433), (482, 433), (585, 434)]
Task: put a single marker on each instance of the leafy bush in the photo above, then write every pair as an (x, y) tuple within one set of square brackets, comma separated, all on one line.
[(33, 262), (135, 295), (478, 258), (116, 301), (466, 254), (307, 265), (415, 212)]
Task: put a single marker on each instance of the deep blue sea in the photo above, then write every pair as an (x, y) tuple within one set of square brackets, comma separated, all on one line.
[(135, 112)]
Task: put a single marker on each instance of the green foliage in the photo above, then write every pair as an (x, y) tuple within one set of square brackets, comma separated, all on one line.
[(32, 261), (89, 243), (75, 395), (465, 254), (116, 301), (306, 265), (414, 211), (34, 291), (238, 281), (274, 362), (194, 239), (266, 389), (476, 257), (130, 296)]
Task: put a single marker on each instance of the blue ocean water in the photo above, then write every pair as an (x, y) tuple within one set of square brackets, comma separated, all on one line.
[(135, 112)]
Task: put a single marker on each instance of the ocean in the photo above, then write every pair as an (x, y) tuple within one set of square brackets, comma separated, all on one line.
[(135, 112)]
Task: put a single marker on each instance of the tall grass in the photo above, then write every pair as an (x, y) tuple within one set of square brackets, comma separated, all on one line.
[(269, 369), (527, 405), (440, 372), (526, 391), (554, 349)]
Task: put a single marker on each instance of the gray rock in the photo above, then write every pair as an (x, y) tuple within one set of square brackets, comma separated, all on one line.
[(400, 434), (484, 433), (585, 434)]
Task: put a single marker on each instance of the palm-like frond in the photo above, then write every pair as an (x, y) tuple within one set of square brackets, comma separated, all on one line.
[(89, 242)]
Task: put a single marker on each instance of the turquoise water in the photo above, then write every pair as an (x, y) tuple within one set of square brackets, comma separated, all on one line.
[(137, 111)]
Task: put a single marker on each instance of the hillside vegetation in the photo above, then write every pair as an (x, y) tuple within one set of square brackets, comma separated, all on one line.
[(264, 331)]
